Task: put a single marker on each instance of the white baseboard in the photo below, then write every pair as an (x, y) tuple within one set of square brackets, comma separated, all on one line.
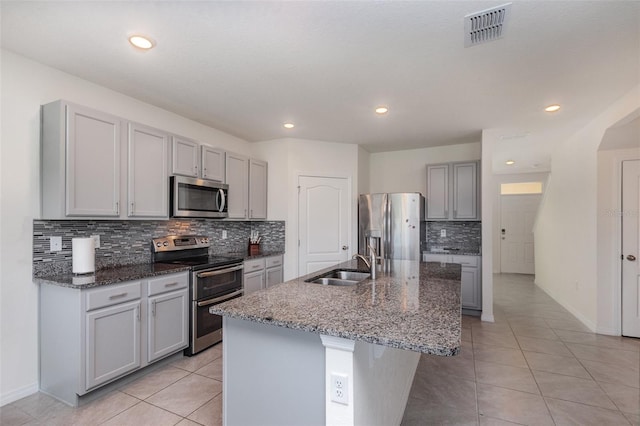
[(16, 394), (587, 323), (608, 331), (487, 318)]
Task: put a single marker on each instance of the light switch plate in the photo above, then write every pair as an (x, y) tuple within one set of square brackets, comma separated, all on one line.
[(443, 233), (96, 241)]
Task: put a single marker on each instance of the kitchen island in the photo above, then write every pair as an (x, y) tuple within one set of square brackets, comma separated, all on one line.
[(287, 348)]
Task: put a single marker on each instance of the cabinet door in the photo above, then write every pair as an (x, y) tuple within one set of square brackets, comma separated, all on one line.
[(148, 180), (212, 163), (168, 324), (92, 163), (253, 281), (465, 191), (274, 276), (112, 342), (184, 160), (438, 191), (471, 288), (257, 189), (237, 177)]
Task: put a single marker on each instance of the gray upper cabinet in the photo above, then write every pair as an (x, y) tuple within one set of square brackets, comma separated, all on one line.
[(237, 177), (184, 159), (147, 178), (257, 189), (95, 165), (453, 191), (80, 162), (213, 163)]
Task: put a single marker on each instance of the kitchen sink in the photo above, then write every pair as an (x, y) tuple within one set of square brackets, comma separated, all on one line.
[(340, 277)]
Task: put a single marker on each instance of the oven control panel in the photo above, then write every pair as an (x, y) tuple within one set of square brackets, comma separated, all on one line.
[(179, 242)]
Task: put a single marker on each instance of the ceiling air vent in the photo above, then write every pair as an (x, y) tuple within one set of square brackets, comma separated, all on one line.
[(486, 25)]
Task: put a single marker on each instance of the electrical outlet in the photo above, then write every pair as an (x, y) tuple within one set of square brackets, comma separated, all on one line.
[(443, 233), (340, 388), (96, 240), (55, 243), (224, 235)]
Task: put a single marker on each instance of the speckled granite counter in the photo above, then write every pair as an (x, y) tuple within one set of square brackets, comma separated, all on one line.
[(414, 306), (111, 275), (246, 256)]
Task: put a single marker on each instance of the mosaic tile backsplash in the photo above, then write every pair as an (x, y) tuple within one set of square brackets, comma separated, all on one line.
[(464, 235), (129, 242)]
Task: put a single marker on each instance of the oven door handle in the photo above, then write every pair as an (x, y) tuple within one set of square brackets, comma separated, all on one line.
[(218, 272), (220, 299)]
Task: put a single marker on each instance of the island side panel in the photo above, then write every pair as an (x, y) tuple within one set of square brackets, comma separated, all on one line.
[(272, 375), (383, 378)]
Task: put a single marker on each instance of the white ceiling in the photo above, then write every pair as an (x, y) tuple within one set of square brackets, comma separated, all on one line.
[(248, 67)]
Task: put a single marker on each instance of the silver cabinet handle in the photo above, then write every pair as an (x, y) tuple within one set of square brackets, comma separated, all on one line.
[(117, 296), (221, 298), (132, 208), (117, 208), (153, 308), (631, 258), (171, 284), (219, 272)]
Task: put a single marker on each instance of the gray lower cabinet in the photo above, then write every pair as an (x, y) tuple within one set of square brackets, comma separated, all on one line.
[(262, 273), (471, 285), (90, 337)]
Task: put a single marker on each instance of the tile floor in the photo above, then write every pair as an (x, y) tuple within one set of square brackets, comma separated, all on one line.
[(536, 365)]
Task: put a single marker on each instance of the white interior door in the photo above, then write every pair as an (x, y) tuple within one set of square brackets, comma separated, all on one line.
[(630, 248), (518, 214), (324, 212)]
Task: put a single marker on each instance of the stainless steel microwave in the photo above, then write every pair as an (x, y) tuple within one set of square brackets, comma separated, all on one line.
[(189, 197)]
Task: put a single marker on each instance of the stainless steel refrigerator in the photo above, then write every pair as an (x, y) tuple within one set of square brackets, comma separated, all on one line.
[(392, 223)]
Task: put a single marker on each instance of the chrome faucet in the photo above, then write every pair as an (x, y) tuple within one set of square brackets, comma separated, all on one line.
[(371, 262)]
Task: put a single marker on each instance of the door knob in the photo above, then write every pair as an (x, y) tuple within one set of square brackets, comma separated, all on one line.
[(345, 247), (631, 258)]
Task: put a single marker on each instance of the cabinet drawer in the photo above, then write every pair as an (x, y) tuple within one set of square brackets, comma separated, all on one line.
[(274, 261), (112, 295), (167, 283), (253, 265), (472, 261)]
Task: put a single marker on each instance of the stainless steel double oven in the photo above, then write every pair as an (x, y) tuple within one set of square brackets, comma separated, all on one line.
[(214, 279)]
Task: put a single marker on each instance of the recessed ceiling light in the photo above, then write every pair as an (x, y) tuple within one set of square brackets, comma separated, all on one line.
[(141, 42), (382, 109), (289, 125), (509, 162), (552, 108)]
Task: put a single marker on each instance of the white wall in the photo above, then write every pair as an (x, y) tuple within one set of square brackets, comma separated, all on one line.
[(25, 85), (406, 171), (609, 237), (289, 158), (566, 231)]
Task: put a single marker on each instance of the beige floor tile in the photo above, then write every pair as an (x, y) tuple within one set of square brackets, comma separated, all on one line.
[(598, 340), (153, 382), (210, 414), (506, 376), (490, 421), (538, 332), (186, 395), (572, 413), (610, 373), (433, 414), (513, 406), (187, 422), (198, 361), (502, 339), (568, 366), (552, 347), (466, 334), (626, 398), (96, 412), (629, 359), (434, 387), (40, 406), (468, 321), (523, 321), (495, 327), (143, 414), (457, 366), (13, 416), (499, 355), (213, 370), (567, 324), (574, 389), (634, 419)]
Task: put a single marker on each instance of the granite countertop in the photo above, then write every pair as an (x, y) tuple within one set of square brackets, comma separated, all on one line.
[(414, 306), (246, 256), (111, 275), (465, 251)]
